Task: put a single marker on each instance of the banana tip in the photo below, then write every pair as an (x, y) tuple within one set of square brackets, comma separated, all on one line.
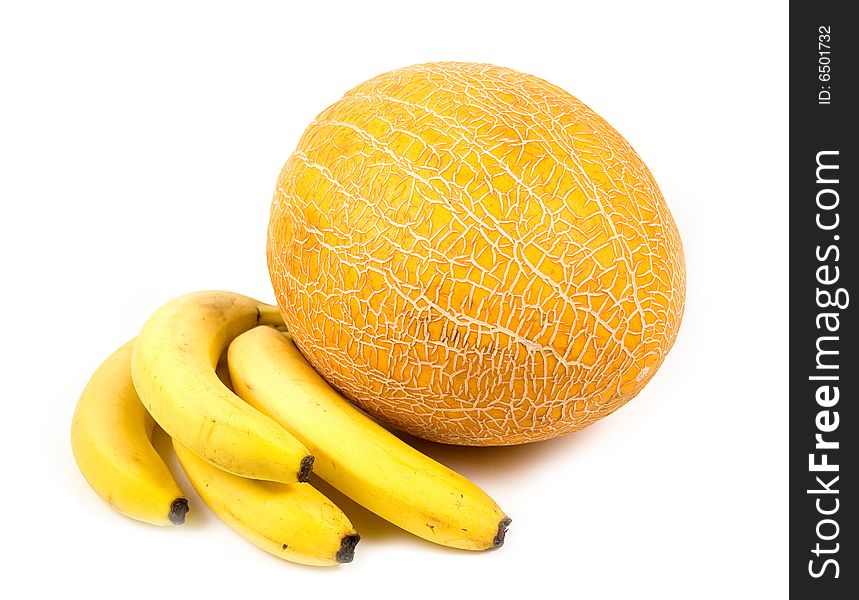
[(347, 548), (502, 531), (306, 468), (178, 510)]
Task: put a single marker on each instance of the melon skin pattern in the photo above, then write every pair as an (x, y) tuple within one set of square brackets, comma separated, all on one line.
[(474, 256)]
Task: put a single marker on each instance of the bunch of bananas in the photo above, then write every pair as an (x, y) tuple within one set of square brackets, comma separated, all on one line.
[(249, 438)]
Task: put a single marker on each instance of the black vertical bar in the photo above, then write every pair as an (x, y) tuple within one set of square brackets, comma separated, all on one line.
[(824, 361)]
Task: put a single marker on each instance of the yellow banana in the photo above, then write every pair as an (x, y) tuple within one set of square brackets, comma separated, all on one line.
[(111, 441), (173, 366), (292, 521), (358, 456)]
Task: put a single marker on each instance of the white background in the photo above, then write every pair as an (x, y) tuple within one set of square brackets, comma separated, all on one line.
[(138, 154)]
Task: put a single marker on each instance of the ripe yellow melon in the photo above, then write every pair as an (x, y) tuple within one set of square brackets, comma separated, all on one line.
[(474, 256)]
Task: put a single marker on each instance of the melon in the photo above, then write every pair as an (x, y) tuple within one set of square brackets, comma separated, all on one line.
[(474, 256)]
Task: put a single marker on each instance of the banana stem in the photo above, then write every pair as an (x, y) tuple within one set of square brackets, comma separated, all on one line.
[(347, 548), (502, 531), (178, 510)]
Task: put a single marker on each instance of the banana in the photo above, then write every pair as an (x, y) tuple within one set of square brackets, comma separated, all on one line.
[(358, 456), (111, 441), (173, 367), (295, 522)]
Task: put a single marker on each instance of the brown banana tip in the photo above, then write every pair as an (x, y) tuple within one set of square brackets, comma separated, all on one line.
[(178, 510), (306, 468), (347, 548), (502, 531)]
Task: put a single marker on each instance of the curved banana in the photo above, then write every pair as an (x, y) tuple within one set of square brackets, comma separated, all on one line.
[(294, 522), (173, 366), (358, 456), (111, 441)]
